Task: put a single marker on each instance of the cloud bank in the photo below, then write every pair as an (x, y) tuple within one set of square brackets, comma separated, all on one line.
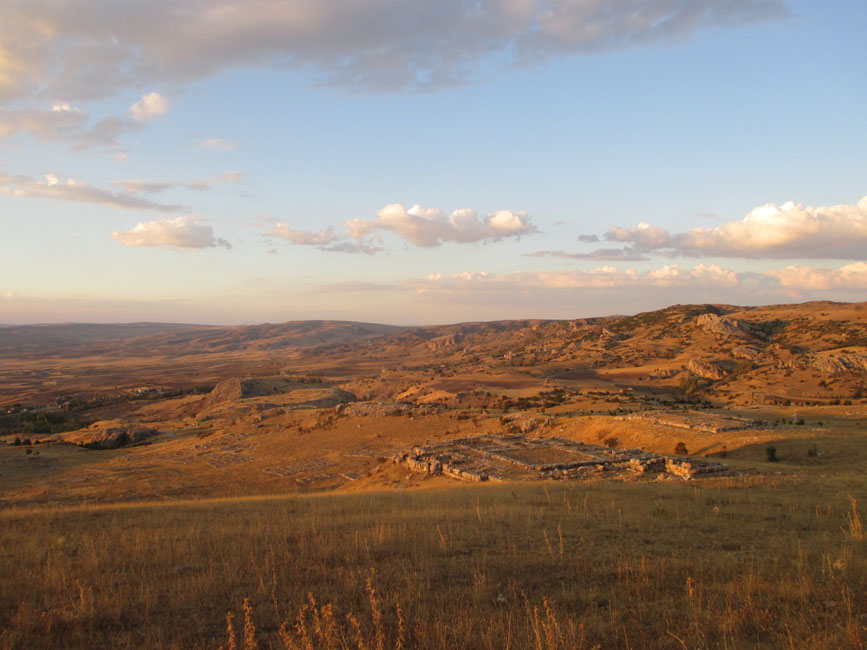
[(93, 48), (180, 234), (788, 231), (707, 282)]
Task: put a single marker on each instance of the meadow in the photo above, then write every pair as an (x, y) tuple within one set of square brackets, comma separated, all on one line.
[(755, 562)]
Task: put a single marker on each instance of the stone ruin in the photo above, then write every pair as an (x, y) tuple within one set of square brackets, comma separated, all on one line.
[(520, 458)]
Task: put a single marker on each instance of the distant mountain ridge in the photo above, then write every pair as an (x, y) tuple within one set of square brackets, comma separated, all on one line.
[(83, 339)]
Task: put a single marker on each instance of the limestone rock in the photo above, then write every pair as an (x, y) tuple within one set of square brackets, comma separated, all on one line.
[(722, 327), (116, 437), (706, 369), (747, 352)]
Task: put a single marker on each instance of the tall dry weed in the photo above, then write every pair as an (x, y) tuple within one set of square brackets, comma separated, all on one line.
[(854, 523)]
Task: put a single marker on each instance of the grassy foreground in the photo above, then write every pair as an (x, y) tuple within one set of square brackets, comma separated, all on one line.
[(762, 565)]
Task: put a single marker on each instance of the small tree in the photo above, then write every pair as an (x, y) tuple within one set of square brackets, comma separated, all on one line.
[(688, 384), (681, 449), (771, 455)]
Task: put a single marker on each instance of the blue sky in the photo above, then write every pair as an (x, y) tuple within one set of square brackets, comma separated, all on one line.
[(234, 162)]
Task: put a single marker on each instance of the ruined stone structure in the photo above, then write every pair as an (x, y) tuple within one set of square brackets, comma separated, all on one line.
[(697, 421), (517, 457)]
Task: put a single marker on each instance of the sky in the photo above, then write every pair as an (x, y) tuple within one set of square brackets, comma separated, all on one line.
[(411, 162)]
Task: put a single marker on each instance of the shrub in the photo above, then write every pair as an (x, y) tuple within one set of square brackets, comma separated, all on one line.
[(681, 449), (612, 442), (771, 455)]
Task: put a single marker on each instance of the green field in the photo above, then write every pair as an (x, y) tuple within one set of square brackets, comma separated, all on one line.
[(743, 563)]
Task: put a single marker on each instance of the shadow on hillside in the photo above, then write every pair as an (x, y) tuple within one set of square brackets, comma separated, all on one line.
[(822, 452)]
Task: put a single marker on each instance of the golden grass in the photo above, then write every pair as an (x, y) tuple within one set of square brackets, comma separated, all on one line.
[(761, 565)]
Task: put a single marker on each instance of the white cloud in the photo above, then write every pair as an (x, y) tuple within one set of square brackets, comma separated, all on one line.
[(429, 227), (217, 143), (149, 107), (95, 47), (181, 233), (74, 190), (788, 231)]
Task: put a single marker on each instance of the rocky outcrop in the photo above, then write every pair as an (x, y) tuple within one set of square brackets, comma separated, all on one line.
[(834, 363), (237, 388), (443, 342), (116, 437), (747, 352), (706, 369), (723, 327), (527, 423)]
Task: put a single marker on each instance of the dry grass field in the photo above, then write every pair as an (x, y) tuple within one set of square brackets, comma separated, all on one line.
[(751, 563), (138, 506)]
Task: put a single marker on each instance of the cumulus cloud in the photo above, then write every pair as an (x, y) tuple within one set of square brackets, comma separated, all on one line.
[(149, 107), (134, 186), (787, 231), (428, 227), (74, 190), (181, 233), (643, 236), (93, 48)]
